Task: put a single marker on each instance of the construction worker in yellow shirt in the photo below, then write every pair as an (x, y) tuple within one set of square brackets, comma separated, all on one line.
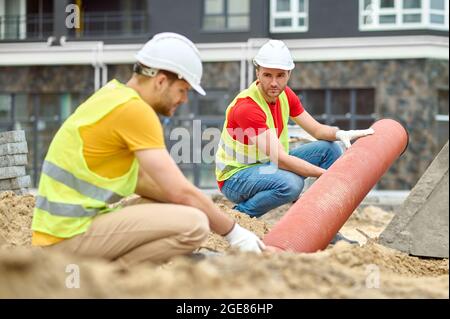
[(111, 147)]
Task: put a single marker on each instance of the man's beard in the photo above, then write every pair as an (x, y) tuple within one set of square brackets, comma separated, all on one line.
[(166, 105)]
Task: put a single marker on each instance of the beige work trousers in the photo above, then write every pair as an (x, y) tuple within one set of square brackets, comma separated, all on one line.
[(143, 230)]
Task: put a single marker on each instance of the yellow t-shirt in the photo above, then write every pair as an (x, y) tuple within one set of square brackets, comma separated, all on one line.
[(110, 143)]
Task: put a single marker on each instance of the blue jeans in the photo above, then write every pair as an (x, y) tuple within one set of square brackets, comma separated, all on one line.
[(257, 190)]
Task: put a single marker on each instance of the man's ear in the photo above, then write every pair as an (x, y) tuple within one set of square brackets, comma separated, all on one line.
[(160, 80)]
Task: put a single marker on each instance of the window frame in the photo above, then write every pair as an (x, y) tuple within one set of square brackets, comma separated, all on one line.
[(398, 10), (226, 16), (21, 21), (294, 14), (329, 117), (440, 118)]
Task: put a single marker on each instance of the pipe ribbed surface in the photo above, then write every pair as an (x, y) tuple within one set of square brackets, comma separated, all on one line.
[(311, 223)]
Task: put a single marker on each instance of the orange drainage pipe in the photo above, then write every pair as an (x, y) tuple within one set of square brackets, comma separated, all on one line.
[(311, 223)]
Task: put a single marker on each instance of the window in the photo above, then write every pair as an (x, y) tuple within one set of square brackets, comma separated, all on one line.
[(39, 19), (231, 15), (288, 16), (109, 19), (403, 14), (442, 119), (438, 14), (40, 116), (349, 109), (12, 19)]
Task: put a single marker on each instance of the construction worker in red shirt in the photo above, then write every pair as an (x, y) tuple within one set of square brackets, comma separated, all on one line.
[(254, 167), (112, 147)]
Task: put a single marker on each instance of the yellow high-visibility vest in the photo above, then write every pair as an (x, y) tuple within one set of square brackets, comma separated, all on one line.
[(70, 195), (233, 156)]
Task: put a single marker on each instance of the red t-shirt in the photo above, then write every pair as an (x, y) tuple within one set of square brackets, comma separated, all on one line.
[(251, 119)]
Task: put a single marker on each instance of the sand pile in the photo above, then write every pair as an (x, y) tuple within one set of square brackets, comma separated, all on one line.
[(341, 271), (15, 219)]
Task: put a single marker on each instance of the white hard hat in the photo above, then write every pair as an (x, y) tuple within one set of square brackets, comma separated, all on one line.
[(175, 53), (274, 54)]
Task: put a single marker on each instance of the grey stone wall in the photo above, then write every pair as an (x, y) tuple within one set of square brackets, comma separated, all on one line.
[(120, 72), (405, 90), (47, 79), (221, 75)]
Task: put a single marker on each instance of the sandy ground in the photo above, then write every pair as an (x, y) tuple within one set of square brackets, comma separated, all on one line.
[(340, 271)]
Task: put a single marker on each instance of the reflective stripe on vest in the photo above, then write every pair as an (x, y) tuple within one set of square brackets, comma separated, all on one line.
[(66, 210), (224, 168), (243, 158), (65, 177)]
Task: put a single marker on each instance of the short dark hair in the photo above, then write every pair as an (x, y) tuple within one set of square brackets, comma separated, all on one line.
[(172, 77)]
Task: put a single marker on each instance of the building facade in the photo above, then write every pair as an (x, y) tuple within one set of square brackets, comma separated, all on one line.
[(356, 61)]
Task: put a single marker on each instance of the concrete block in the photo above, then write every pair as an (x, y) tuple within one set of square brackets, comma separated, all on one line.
[(11, 172), (420, 226), (13, 160), (12, 137), (15, 183), (13, 148), (21, 191)]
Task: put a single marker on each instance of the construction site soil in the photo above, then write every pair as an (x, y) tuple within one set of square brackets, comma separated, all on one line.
[(368, 270)]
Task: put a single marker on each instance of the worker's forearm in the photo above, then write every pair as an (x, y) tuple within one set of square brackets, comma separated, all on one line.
[(219, 222), (326, 133), (299, 166)]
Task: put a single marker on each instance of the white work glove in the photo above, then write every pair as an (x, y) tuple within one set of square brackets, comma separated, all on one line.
[(244, 239), (347, 136)]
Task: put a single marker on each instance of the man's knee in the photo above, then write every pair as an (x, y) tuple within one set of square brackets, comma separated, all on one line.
[(331, 152), (197, 230), (335, 149), (291, 187)]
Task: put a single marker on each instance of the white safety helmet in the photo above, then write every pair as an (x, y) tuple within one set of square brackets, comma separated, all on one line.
[(175, 53), (274, 54)]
